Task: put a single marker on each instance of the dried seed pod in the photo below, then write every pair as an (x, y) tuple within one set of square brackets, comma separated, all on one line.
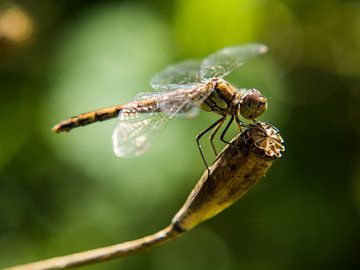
[(238, 167)]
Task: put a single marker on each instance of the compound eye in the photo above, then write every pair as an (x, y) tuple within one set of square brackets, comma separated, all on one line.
[(253, 104)]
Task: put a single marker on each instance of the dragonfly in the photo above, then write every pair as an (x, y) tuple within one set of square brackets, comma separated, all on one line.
[(181, 90)]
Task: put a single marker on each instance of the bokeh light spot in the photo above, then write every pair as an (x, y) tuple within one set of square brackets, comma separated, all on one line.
[(16, 25)]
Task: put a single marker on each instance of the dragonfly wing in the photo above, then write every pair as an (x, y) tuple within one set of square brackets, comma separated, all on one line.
[(174, 104), (223, 62), (184, 75), (135, 132), (138, 126)]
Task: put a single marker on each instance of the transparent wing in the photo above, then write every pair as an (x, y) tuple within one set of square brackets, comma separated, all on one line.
[(223, 62), (183, 75), (135, 132), (177, 104), (141, 121)]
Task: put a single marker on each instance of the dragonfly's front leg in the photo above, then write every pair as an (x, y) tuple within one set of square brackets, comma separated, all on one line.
[(239, 123), (225, 130)]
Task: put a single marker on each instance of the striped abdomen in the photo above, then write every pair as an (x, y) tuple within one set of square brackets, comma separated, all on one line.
[(87, 118), (141, 106)]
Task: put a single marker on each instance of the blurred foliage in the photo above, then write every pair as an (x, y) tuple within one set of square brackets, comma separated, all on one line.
[(65, 193)]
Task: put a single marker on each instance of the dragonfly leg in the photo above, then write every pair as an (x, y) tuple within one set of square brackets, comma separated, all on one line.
[(215, 130), (225, 130), (202, 133), (239, 123)]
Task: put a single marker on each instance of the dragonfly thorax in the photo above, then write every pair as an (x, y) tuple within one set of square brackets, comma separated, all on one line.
[(227, 100), (221, 97)]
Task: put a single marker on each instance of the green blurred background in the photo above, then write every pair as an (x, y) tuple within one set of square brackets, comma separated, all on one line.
[(65, 193)]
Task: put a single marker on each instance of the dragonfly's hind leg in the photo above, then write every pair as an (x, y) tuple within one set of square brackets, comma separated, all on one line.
[(202, 133)]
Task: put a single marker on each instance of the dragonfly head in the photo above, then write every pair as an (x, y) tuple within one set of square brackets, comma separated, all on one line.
[(252, 104)]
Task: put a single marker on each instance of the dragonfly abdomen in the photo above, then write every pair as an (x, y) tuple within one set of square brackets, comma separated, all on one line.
[(87, 118)]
